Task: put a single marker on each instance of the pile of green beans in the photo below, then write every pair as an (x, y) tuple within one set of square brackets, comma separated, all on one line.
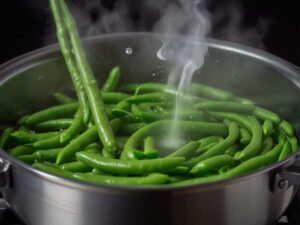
[(115, 134)]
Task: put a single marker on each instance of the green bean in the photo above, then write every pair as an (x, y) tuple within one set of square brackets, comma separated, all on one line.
[(149, 148), (286, 151), (239, 119), (294, 143), (208, 140), (253, 148), (112, 81), (154, 87), (99, 172), (130, 118), (73, 67), (187, 151), (151, 179), (95, 100), (267, 145), (29, 159), (179, 170), (113, 97), (212, 164), (57, 124), (252, 164), (26, 137), (151, 97), (53, 112), (74, 129), (22, 120), (219, 148), (49, 143), (24, 128), (225, 106), (287, 128), (265, 114), (130, 128), (161, 97), (152, 107), (232, 150), (205, 148), (21, 150), (88, 137), (130, 88), (132, 167), (168, 91), (79, 143), (5, 136), (95, 147), (210, 92), (176, 179), (245, 136), (107, 154), (258, 162), (49, 155), (76, 167), (148, 117), (267, 127), (63, 99), (121, 109), (53, 170), (217, 94), (121, 141), (191, 128)]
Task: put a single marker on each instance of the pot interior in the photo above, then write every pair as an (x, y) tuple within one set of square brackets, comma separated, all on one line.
[(28, 84)]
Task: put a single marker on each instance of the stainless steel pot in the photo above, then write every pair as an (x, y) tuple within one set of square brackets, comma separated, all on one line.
[(42, 199)]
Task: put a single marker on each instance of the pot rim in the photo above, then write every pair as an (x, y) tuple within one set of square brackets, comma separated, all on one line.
[(42, 54)]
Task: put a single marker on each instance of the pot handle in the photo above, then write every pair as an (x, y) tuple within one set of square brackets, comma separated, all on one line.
[(4, 174), (288, 177)]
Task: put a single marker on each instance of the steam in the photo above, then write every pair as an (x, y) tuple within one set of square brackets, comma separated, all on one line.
[(231, 23), (191, 20), (93, 18)]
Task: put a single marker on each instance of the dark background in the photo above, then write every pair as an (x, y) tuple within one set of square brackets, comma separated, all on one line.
[(271, 25)]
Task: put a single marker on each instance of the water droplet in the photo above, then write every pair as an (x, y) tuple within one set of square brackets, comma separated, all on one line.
[(128, 51)]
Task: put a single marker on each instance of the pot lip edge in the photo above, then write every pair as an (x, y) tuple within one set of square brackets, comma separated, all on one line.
[(140, 189)]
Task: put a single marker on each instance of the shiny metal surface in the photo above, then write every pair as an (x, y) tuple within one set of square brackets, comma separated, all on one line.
[(26, 84)]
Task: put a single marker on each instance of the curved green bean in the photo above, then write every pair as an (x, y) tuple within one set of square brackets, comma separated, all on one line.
[(192, 128), (132, 167), (212, 164), (111, 82)]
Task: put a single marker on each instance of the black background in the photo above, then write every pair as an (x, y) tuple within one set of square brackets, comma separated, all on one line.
[(27, 24)]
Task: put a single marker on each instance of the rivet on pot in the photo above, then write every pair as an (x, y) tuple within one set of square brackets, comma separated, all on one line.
[(282, 184)]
